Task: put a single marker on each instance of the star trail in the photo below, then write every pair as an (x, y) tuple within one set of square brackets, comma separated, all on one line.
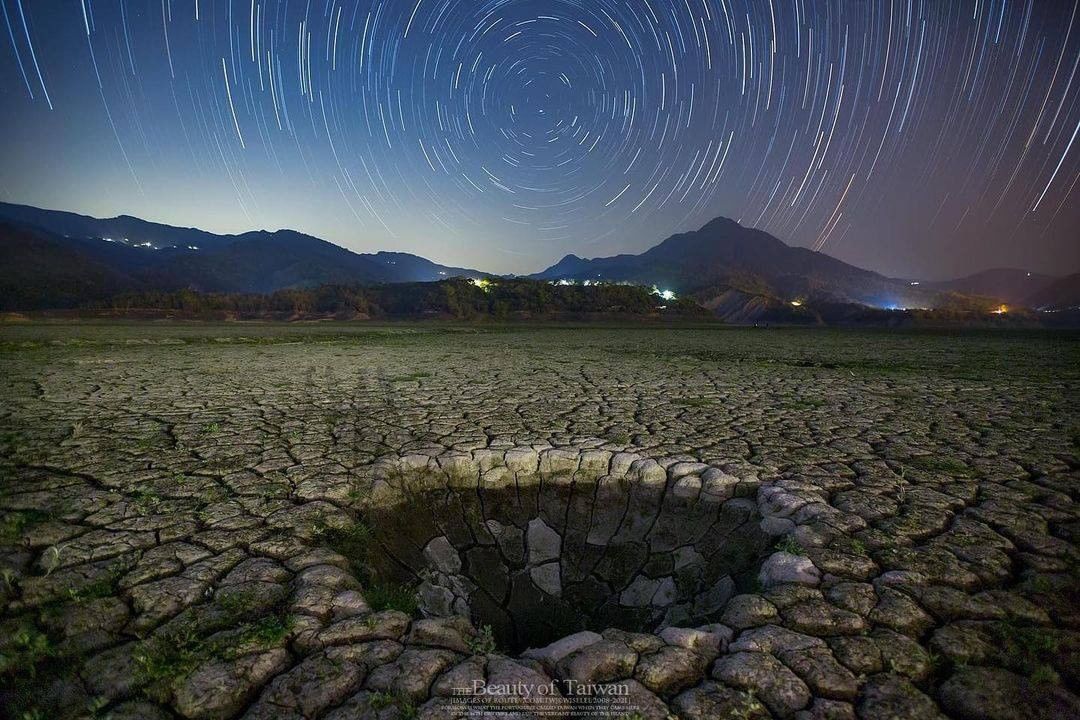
[(919, 138)]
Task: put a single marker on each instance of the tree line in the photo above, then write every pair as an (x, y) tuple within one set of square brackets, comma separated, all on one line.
[(455, 298)]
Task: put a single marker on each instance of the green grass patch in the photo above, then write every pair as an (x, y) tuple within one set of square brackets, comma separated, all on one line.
[(28, 648), (941, 464), (379, 701), (790, 545), (484, 642), (168, 658), (236, 605), (14, 524), (391, 596), (692, 402), (1028, 649), (102, 587), (354, 542), (269, 631)]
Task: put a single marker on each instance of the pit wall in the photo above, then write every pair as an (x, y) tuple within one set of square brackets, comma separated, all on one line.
[(540, 542)]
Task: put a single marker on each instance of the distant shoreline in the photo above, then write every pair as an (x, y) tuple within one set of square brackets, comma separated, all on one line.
[(151, 316)]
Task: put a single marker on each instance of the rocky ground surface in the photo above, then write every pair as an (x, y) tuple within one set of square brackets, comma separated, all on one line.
[(179, 509)]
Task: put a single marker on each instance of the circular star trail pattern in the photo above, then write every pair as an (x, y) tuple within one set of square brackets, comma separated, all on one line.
[(502, 133)]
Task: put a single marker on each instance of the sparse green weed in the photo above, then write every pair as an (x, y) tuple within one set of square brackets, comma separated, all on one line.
[(390, 596), (29, 647), (789, 544), (13, 524), (484, 642)]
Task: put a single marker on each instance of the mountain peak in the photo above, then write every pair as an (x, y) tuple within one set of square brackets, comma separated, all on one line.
[(721, 223), (723, 253), (720, 238)]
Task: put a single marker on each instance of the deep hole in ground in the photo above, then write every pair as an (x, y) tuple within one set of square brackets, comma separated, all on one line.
[(538, 561)]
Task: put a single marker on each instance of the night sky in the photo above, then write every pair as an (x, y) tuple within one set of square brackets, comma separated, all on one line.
[(919, 138)]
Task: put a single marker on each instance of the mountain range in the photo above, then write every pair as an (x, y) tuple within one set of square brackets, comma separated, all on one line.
[(59, 259), (50, 253)]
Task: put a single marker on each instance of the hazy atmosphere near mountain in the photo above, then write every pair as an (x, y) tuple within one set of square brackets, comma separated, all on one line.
[(60, 259)]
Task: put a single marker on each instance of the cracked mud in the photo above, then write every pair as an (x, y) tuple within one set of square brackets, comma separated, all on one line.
[(339, 522)]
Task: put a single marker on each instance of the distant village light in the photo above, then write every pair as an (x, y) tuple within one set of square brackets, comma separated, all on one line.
[(664, 294)]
